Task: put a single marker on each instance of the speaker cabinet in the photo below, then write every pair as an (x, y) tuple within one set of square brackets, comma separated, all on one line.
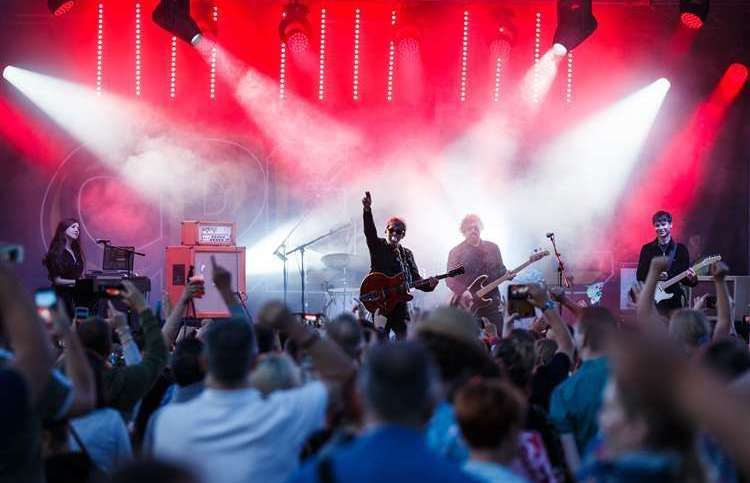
[(179, 259)]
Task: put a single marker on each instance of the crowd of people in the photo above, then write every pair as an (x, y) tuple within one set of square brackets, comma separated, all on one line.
[(581, 397)]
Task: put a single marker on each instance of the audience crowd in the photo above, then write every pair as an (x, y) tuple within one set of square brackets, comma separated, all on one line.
[(580, 396)]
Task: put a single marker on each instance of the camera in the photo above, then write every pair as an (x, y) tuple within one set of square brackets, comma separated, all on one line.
[(518, 300), (10, 253)]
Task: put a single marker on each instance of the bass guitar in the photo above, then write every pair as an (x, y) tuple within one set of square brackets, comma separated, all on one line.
[(381, 292), (479, 289), (661, 287)]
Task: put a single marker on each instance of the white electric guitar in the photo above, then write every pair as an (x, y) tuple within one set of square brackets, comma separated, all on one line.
[(661, 287)]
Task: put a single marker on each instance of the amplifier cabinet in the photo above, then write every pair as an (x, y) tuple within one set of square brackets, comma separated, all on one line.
[(216, 233), (179, 259)]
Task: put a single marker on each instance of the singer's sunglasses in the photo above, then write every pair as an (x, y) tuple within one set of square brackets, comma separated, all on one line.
[(397, 230)]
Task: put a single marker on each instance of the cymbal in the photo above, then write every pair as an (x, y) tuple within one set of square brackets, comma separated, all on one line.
[(337, 261)]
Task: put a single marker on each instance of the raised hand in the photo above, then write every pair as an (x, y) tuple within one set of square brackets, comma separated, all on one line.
[(367, 200), (221, 276), (659, 264), (379, 320), (719, 270), (115, 318), (132, 297), (557, 293), (538, 294)]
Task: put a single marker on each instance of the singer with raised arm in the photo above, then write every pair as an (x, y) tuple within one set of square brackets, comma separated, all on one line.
[(389, 257), (679, 262), (65, 260)]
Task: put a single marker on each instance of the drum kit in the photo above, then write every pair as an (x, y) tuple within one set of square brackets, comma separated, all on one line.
[(342, 276)]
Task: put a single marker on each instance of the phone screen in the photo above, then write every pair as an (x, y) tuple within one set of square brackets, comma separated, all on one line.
[(518, 302), (45, 298)]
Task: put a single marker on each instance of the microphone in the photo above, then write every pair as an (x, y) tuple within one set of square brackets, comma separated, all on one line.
[(102, 241), (550, 235)]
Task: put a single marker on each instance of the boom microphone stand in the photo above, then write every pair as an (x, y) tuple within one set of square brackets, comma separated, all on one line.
[(301, 250), (562, 278)]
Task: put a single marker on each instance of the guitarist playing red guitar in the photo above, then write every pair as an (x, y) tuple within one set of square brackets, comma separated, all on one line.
[(389, 257)]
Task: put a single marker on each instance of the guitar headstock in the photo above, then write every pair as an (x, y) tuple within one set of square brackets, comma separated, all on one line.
[(707, 261), (537, 255), (456, 271)]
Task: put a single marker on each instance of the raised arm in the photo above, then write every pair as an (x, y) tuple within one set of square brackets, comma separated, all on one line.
[(223, 281), (371, 233), (643, 265), (119, 321), (540, 298), (331, 362), (77, 366), (33, 356), (133, 382), (172, 325), (558, 295), (724, 326), (646, 309)]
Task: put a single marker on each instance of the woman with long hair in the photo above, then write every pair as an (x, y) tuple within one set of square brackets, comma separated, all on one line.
[(65, 260)]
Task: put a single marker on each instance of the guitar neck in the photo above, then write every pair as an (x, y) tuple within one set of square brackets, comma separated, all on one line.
[(674, 280), (424, 280), (496, 283)]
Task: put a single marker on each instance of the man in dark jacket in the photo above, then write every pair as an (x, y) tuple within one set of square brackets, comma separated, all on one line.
[(665, 246), (387, 256)]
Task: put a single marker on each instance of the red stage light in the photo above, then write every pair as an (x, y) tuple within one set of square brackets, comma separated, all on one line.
[(691, 20), (737, 74), (60, 7), (298, 42)]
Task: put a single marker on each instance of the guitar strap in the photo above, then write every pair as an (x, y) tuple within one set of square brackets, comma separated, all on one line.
[(404, 268), (669, 254)]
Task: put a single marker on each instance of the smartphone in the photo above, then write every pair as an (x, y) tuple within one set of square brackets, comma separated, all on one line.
[(518, 300), (46, 303), (82, 313)]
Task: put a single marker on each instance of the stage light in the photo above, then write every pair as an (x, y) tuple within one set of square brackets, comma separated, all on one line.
[(294, 28), (60, 7), (693, 13), (575, 23), (174, 17), (322, 57), (464, 56), (355, 67)]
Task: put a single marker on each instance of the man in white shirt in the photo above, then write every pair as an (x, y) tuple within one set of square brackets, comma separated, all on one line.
[(230, 433)]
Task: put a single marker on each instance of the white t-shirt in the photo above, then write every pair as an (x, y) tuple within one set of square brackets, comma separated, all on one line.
[(237, 436)]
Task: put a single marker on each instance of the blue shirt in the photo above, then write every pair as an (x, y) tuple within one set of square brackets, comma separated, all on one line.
[(443, 435), (487, 472), (575, 403), (393, 454)]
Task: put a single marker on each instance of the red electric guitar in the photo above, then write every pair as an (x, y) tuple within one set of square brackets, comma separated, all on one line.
[(379, 291)]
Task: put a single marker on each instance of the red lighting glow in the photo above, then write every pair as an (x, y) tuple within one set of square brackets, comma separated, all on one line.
[(64, 8), (691, 20)]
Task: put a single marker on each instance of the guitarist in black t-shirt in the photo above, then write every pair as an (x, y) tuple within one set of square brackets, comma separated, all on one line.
[(389, 257), (665, 246)]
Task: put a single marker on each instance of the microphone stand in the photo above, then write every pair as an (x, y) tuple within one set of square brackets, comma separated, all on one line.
[(562, 278), (301, 250), (282, 253)]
